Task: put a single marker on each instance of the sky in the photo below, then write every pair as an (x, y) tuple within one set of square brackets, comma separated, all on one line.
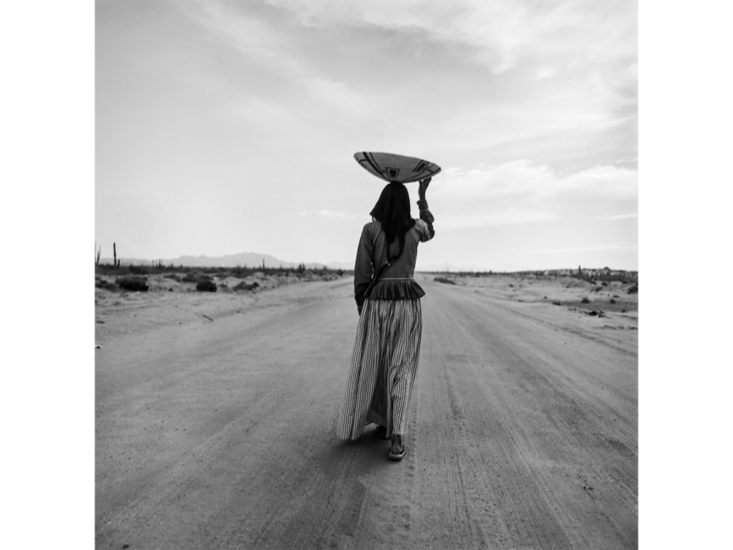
[(228, 127)]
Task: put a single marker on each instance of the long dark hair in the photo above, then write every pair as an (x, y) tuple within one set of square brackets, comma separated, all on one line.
[(393, 212)]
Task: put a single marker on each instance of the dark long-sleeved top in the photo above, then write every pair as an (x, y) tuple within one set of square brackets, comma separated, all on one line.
[(396, 278)]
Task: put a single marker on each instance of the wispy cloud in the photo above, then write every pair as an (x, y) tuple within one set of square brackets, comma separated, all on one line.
[(264, 43), (519, 193), (520, 177), (493, 218), (500, 34)]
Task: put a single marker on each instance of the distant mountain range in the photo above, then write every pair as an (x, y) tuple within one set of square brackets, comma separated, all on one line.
[(244, 259)]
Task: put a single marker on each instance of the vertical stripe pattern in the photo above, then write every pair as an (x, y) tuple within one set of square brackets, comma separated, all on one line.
[(383, 368)]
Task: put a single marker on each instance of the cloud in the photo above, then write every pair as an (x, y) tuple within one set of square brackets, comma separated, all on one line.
[(263, 42), (520, 193), (520, 177), (569, 70), (499, 34), (493, 218)]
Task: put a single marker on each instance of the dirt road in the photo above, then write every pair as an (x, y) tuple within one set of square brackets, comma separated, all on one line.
[(215, 427)]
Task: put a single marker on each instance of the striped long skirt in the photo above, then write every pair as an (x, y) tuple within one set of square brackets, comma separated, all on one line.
[(383, 368)]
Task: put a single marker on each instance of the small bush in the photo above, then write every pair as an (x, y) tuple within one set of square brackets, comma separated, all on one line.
[(104, 285), (196, 277), (585, 301), (444, 281), (133, 284), (612, 301), (206, 286), (633, 289), (139, 269), (245, 286)]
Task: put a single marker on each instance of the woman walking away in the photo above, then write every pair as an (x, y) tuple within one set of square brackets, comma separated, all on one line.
[(387, 346)]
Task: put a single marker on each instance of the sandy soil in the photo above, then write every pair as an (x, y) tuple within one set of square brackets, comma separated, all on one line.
[(215, 418)]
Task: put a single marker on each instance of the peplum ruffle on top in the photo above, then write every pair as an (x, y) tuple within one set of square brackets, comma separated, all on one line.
[(395, 289)]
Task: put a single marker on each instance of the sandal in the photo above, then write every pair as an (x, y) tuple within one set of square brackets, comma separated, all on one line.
[(399, 455), (381, 432)]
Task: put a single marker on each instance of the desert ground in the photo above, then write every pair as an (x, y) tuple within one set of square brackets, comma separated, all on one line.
[(215, 418)]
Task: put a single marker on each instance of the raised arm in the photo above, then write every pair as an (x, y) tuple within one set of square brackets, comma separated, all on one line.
[(425, 214)]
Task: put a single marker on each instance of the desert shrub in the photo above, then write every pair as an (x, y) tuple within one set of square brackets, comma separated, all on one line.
[(105, 285), (576, 283), (245, 286), (585, 301), (172, 276), (633, 289), (444, 281), (139, 269), (612, 301), (206, 286), (241, 272), (196, 277), (556, 303), (133, 283)]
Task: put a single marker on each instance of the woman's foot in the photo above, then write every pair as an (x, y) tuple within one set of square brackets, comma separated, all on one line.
[(382, 432), (398, 450)]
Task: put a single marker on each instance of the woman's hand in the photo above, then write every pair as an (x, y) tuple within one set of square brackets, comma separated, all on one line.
[(423, 187)]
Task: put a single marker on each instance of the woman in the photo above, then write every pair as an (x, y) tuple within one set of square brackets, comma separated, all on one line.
[(387, 347)]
